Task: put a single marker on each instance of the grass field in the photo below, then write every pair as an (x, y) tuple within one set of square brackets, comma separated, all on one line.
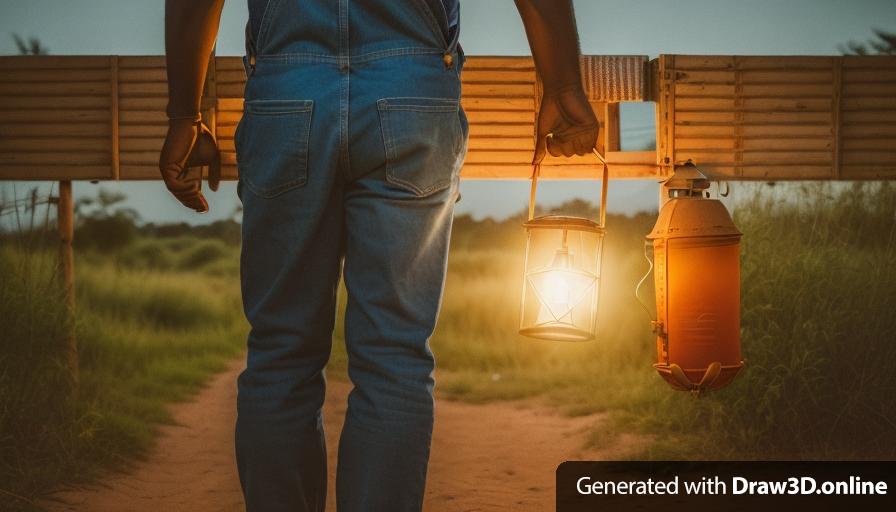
[(161, 313)]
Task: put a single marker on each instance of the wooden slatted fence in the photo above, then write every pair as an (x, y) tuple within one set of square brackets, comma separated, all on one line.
[(779, 118), (738, 117)]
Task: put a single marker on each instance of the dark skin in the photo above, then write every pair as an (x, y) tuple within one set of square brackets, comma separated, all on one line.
[(566, 124), (190, 32)]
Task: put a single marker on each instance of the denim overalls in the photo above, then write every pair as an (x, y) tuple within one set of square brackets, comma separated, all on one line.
[(349, 152)]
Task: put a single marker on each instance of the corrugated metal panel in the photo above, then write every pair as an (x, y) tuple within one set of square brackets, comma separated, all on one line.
[(615, 78)]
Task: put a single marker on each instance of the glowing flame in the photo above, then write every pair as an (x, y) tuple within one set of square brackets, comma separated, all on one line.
[(560, 287)]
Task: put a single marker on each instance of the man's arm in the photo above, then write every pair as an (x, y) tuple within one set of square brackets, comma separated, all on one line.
[(565, 112), (190, 31)]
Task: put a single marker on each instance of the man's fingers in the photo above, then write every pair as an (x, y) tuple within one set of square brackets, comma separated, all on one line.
[(193, 200), (177, 180), (554, 147), (191, 175), (567, 148), (571, 120), (190, 197), (582, 146), (577, 141), (587, 133), (185, 186), (214, 174), (558, 146), (183, 181)]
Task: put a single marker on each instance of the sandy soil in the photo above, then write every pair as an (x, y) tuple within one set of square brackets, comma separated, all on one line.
[(491, 457)]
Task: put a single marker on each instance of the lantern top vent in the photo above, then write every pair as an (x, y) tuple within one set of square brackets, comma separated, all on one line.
[(687, 180)]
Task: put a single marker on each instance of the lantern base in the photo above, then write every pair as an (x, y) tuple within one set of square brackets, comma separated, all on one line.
[(557, 333), (726, 375)]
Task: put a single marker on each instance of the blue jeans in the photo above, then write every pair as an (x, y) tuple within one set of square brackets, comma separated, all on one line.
[(349, 152)]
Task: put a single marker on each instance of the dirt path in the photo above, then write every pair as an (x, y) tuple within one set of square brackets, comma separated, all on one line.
[(484, 458)]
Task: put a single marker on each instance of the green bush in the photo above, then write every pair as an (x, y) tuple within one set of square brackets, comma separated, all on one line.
[(108, 234), (180, 254), (148, 254), (204, 253)]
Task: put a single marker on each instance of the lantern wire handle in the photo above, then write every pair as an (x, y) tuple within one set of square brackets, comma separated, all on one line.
[(536, 171), (727, 189), (603, 188)]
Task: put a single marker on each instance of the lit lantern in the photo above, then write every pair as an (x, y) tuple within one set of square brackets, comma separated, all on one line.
[(696, 251), (561, 282)]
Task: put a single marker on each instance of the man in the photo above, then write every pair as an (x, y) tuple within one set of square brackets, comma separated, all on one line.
[(349, 153)]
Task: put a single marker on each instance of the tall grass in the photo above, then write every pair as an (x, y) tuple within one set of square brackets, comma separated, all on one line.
[(146, 338)]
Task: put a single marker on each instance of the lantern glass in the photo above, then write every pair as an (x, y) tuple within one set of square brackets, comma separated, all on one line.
[(562, 278)]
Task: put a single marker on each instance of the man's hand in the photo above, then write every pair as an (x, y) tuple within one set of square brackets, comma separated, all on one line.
[(188, 146), (190, 31), (566, 124), (565, 113)]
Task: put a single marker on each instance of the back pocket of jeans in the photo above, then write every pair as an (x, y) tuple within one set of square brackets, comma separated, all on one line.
[(272, 145), (423, 140)]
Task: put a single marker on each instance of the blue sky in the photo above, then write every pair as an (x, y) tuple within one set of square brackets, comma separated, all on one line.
[(488, 27)]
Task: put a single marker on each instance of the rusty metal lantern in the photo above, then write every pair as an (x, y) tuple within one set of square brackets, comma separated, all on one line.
[(561, 283), (696, 257)]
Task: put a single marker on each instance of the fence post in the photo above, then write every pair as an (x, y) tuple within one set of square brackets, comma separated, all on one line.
[(65, 220)]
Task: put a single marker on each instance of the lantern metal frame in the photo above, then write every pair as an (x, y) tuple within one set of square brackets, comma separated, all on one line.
[(550, 330)]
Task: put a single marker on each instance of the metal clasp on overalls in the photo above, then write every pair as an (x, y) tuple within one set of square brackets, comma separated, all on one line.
[(448, 58)]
